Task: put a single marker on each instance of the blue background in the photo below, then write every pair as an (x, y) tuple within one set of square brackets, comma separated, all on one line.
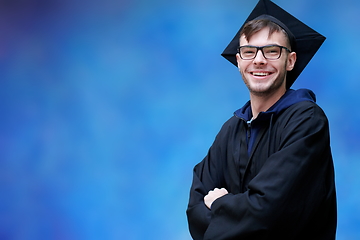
[(106, 106)]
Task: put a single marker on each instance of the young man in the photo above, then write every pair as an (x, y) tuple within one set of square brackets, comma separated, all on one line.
[(269, 173)]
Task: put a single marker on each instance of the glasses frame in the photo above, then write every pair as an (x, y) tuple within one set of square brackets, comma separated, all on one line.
[(261, 49)]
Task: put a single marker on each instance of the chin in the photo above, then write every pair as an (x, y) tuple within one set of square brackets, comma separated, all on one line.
[(264, 89), (259, 88)]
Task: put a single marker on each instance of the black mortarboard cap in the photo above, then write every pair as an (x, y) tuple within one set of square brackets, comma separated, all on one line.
[(304, 40)]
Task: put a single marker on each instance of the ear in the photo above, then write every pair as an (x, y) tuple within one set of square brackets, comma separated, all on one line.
[(291, 61), (238, 59)]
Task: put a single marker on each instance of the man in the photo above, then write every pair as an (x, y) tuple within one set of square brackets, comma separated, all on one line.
[(269, 173)]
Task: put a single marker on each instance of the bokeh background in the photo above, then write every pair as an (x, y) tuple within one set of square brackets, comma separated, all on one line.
[(107, 105)]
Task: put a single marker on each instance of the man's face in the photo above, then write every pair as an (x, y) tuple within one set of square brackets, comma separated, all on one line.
[(265, 77)]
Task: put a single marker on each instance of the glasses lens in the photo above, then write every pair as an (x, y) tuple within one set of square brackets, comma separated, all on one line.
[(248, 52), (272, 52)]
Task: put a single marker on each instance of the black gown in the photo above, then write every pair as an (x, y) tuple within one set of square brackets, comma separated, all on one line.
[(282, 189)]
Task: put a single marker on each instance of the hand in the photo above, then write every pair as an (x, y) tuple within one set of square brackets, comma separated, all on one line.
[(213, 195)]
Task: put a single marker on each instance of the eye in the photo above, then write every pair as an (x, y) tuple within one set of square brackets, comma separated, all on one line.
[(272, 50), (248, 50)]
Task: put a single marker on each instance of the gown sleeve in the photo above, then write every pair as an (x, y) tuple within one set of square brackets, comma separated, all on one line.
[(290, 190)]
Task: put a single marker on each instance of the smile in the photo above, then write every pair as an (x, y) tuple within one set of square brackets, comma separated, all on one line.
[(260, 74)]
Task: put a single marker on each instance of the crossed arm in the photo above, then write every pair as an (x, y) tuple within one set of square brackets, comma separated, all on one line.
[(213, 195)]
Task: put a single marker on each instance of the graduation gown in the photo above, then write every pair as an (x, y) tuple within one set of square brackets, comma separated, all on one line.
[(278, 171)]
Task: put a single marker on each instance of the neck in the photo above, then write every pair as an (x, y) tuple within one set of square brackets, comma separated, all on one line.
[(261, 103)]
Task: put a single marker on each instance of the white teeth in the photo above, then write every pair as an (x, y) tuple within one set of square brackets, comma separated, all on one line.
[(260, 74)]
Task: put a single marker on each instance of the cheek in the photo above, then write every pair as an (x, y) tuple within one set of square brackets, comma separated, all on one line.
[(242, 65)]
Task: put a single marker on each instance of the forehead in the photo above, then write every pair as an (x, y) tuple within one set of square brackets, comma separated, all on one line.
[(263, 37)]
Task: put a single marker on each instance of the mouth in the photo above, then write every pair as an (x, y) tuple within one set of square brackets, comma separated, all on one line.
[(260, 74)]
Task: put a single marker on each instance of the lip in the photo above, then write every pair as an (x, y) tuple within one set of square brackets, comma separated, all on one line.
[(260, 74)]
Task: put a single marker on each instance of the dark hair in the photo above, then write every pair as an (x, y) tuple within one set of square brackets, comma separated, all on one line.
[(254, 26)]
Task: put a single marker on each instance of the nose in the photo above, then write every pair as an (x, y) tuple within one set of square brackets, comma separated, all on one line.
[(259, 58)]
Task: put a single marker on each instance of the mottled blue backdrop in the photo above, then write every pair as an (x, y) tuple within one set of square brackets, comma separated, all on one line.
[(106, 106)]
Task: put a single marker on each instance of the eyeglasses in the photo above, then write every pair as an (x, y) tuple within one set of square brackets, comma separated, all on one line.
[(270, 52)]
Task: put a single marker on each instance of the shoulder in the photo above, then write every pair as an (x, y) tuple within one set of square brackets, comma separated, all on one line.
[(231, 124), (306, 113), (230, 129), (305, 108)]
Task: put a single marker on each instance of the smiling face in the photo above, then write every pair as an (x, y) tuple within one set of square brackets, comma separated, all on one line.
[(265, 77)]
